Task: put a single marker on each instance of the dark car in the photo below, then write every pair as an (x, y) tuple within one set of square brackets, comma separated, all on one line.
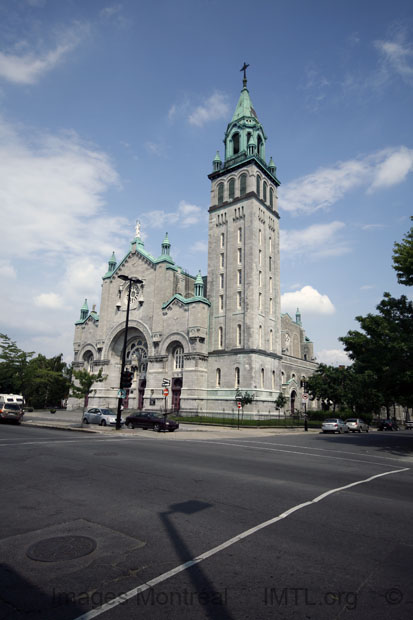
[(11, 411), (156, 422), (387, 425)]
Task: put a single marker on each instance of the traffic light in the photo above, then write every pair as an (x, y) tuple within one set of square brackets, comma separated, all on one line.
[(126, 379)]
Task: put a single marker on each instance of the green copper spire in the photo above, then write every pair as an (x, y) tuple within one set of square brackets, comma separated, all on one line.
[(199, 286), (166, 246), (84, 311), (217, 163), (298, 317)]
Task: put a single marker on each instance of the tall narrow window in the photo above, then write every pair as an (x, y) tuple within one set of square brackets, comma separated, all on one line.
[(260, 236), (220, 193), (218, 377), (221, 280), (260, 278), (270, 263), (273, 380), (220, 337), (264, 191), (237, 377), (260, 301), (259, 257), (235, 142), (179, 358), (239, 300), (243, 184), (262, 377), (271, 198), (221, 261), (222, 239), (270, 244), (270, 285), (260, 146), (239, 235), (270, 305), (231, 189), (271, 340), (221, 303), (239, 251), (258, 186), (260, 336), (239, 277), (238, 335)]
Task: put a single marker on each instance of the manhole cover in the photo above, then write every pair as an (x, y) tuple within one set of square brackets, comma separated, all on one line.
[(61, 548)]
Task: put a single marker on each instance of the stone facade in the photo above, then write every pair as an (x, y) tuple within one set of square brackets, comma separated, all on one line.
[(207, 336)]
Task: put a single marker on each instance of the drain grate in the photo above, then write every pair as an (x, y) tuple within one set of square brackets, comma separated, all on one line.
[(61, 548)]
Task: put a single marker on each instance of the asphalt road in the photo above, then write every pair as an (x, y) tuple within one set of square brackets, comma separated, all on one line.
[(230, 526)]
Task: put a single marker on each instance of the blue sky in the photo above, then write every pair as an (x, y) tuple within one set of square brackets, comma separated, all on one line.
[(113, 111)]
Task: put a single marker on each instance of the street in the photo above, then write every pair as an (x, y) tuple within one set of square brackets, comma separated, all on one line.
[(230, 526)]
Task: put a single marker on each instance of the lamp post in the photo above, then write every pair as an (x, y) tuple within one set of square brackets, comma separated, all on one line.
[(125, 341)]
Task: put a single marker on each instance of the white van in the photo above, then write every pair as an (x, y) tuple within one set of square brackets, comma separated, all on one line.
[(12, 398)]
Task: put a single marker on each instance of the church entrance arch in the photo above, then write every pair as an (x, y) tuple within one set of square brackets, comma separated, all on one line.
[(136, 360), (292, 401), (176, 393)]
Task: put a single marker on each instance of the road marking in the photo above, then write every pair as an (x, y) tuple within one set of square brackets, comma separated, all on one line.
[(204, 556)]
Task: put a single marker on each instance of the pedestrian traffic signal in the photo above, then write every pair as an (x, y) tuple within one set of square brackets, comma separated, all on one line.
[(126, 379)]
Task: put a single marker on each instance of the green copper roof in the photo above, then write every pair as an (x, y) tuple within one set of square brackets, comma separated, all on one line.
[(244, 106), (186, 300), (198, 279), (217, 157)]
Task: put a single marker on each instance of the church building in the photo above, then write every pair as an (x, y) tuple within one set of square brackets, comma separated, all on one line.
[(209, 336)]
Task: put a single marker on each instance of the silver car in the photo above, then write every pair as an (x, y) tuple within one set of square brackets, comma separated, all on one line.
[(334, 425), (357, 425), (101, 416)]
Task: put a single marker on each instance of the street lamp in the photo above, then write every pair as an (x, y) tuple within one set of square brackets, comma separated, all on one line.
[(125, 341)]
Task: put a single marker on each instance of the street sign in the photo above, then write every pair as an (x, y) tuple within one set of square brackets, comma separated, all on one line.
[(239, 405), (166, 392), (305, 397), (121, 393), (166, 383)]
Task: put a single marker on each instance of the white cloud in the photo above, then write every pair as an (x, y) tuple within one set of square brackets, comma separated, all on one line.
[(155, 148), (333, 357), (49, 300), (326, 186), (367, 287), (373, 226), (29, 67), (397, 58), (7, 270), (215, 107), (309, 300), (199, 246), (186, 215), (317, 241)]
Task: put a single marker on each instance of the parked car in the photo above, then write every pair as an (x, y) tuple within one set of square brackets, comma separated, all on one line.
[(357, 424), (409, 425), (334, 425), (101, 416), (155, 421), (11, 411), (388, 425)]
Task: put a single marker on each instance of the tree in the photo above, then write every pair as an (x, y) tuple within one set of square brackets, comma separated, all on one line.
[(85, 381), (327, 384), (13, 366), (280, 401), (403, 259), (245, 398), (48, 381), (386, 349)]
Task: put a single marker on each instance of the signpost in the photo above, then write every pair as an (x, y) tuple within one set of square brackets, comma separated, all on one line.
[(165, 393)]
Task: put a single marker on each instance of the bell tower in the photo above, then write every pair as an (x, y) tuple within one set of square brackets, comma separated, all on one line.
[(244, 266)]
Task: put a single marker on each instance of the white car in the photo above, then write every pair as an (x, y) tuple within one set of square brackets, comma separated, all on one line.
[(101, 416), (334, 425)]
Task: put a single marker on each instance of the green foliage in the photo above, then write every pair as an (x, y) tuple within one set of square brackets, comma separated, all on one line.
[(13, 365), (280, 401), (403, 259), (85, 381), (328, 384), (245, 398)]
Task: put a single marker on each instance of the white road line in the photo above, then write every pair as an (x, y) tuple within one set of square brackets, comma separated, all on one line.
[(200, 558)]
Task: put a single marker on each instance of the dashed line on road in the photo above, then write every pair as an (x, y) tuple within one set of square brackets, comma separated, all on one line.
[(94, 613)]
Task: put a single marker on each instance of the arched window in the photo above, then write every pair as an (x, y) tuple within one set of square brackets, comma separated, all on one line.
[(88, 361), (235, 142), (243, 184), (179, 358), (220, 193), (231, 189), (260, 146), (264, 191), (237, 377), (271, 198), (218, 377), (220, 337), (137, 355), (258, 186), (238, 335)]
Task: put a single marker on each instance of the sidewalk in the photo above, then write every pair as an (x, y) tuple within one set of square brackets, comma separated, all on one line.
[(72, 421)]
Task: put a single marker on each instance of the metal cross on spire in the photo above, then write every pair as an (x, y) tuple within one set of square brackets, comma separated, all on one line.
[(244, 69)]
